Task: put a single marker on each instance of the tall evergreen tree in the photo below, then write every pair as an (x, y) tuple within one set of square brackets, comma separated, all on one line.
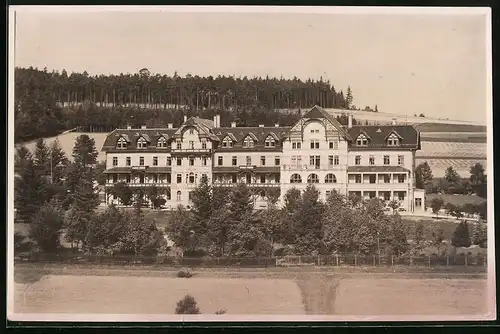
[(423, 175), (29, 189), (461, 237), (308, 223)]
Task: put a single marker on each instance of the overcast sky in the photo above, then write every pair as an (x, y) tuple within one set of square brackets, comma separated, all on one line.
[(406, 64)]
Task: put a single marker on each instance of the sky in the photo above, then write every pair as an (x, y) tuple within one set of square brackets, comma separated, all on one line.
[(405, 63)]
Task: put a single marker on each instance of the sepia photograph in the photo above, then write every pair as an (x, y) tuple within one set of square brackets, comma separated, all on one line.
[(246, 163)]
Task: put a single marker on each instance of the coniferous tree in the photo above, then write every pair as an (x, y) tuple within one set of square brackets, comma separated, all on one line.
[(29, 189), (461, 237), (45, 227), (423, 175)]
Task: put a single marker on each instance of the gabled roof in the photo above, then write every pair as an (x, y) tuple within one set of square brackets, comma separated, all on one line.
[(153, 135), (145, 136), (362, 132), (204, 126), (319, 113), (393, 132), (231, 136), (251, 135), (260, 133), (407, 133), (273, 135)]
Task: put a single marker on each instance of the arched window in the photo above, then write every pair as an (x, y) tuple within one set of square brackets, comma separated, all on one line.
[(191, 178), (248, 142), (227, 142), (142, 143), (361, 140), (162, 142), (295, 178), (179, 195), (330, 178), (270, 142), (393, 140), (313, 178), (122, 143)]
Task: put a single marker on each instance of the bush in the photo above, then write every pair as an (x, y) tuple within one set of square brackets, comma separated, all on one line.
[(221, 312), (187, 305), (461, 237), (184, 273)]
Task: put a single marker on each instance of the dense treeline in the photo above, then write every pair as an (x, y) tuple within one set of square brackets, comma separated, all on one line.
[(49, 102)]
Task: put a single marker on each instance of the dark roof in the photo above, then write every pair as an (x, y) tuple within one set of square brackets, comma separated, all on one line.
[(378, 135), (118, 170), (156, 169), (376, 169), (132, 135), (258, 133)]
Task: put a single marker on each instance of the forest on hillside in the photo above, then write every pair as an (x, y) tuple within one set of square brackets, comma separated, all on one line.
[(47, 103)]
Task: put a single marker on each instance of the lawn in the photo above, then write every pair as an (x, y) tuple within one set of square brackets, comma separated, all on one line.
[(456, 199), (249, 291)]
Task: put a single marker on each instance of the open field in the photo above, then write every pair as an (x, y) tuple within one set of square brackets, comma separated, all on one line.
[(270, 291), (457, 199)]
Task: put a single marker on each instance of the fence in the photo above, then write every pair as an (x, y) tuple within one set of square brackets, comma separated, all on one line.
[(285, 261)]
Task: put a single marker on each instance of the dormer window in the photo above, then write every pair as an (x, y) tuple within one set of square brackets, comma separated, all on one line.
[(122, 143), (270, 142), (142, 143), (227, 142), (162, 143), (393, 140), (248, 142), (361, 140)]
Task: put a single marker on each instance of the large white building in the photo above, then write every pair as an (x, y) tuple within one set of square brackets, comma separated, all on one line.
[(369, 161)]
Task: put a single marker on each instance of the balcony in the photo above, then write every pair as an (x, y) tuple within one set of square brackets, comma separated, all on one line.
[(250, 185), (138, 184), (302, 167), (191, 151)]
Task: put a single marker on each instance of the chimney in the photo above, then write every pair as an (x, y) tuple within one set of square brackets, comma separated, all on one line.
[(276, 125), (261, 125), (393, 121), (129, 126), (215, 121), (349, 121), (143, 127), (170, 125), (233, 124), (218, 121), (185, 118)]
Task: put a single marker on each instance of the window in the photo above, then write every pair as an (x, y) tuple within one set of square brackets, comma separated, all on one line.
[(155, 161), (128, 161), (387, 160), (296, 145), (314, 160), (162, 142), (127, 179), (179, 178), (203, 144), (276, 161), (249, 178), (330, 160), (401, 160), (191, 145), (169, 178), (169, 161), (204, 161), (179, 194), (313, 178), (387, 178), (179, 161), (191, 161), (335, 159), (262, 179), (393, 140), (361, 140), (401, 178), (115, 161), (179, 144), (248, 142), (357, 178), (204, 176), (263, 161), (371, 160), (276, 178), (233, 178), (220, 160), (311, 160), (141, 179), (249, 160), (191, 131), (330, 178), (314, 144), (142, 143), (312, 131), (357, 160), (294, 160), (191, 178), (155, 178), (234, 161), (227, 142), (401, 195), (269, 142), (334, 144), (295, 178), (299, 160), (418, 202), (373, 178), (115, 178), (141, 161), (122, 143)]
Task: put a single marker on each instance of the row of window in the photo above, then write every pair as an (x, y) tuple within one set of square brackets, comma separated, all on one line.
[(313, 178), (248, 178), (386, 178), (392, 140), (314, 145), (387, 160), (248, 142), (191, 160), (161, 143), (248, 161)]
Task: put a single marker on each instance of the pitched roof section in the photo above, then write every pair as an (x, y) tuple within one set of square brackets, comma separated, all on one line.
[(204, 126), (378, 139), (132, 135), (259, 134), (318, 112)]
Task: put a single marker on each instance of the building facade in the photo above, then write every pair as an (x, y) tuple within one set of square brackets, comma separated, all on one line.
[(368, 161)]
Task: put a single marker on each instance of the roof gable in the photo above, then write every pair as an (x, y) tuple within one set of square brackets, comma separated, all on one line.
[(379, 133)]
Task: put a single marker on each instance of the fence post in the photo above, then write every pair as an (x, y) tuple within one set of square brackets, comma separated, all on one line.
[(466, 256), (337, 258), (429, 260), (276, 261), (392, 260), (447, 260), (373, 260), (355, 260), (318, 260)]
